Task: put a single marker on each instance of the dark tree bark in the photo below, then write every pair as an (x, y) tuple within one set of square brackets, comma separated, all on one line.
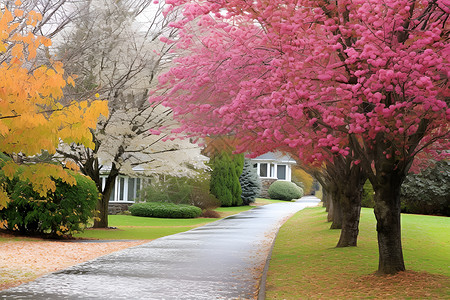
[(351, 207), (346, 181), (350, 223), (387, 174), (336, 209), (101, 220), (325, 199), (334, 188), (330, 208), (387, 213)]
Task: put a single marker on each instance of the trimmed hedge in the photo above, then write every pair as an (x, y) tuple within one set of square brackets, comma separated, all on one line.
[(427, 192), (62, 212), (284, 190), (164, 210)]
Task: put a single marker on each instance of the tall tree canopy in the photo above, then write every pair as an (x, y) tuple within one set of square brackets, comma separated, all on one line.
[(365, 79), (118, 56), (32, 116)]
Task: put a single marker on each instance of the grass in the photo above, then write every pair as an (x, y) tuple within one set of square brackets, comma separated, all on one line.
[(142, 228), (306, 264)]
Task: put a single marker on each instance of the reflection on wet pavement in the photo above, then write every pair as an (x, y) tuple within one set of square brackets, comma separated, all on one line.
[(221, 260)]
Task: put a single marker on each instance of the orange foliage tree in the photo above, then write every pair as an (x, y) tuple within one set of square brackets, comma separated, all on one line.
[(300, 175), (32, 115)]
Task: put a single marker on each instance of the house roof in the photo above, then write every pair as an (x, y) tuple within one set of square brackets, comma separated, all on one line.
[(277, 157)]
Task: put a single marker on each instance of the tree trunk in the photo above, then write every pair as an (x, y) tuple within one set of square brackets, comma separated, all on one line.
[(101, 220), (351, 210), (330, 210), (337, 213), (326, 200), (352, 189), (387, 213)]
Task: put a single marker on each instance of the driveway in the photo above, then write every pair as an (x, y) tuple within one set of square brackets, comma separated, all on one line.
[(221, 260)]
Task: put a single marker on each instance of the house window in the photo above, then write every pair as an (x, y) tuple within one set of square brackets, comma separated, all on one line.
[(281, 172), (122, 189), (131, 188), (134, 185), (112, 197), (263, 170)]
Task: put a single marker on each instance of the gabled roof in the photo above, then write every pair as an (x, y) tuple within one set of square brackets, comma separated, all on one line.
[(277, 157)]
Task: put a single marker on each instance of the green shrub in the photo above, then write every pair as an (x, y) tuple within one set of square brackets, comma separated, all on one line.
[(172, 190), (224, 185), (367, 196), (284, 190), (250, 183), (201, 197), (182, 190), (62, 212), (427, 192), (165, 210), (207, 213)]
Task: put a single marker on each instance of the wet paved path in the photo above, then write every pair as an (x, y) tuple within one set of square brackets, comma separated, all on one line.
[(221, 260)]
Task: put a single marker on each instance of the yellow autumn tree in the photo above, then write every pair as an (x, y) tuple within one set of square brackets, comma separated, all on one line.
[(300, 175), (32, 116)]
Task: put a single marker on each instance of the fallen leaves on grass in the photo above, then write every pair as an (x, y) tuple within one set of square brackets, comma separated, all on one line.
[(404, 285), (409, 284)]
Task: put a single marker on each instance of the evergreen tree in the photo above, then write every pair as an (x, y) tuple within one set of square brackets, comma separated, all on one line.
[(250, 183), (225, 178)]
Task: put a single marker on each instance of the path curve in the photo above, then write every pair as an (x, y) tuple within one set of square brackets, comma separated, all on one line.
[(221, 260)]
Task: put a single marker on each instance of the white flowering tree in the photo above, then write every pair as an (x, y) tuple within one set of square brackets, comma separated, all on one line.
[(115, 50)]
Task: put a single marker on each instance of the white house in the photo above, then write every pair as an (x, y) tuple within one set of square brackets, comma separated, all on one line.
[(126, 188), (131, 180), (273, 166)]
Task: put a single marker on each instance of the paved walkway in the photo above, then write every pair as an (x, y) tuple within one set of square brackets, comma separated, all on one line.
[(221, 260)]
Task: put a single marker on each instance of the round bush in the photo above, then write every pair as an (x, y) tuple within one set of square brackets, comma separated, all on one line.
[(164, 210), (284, 190), (62, 212)]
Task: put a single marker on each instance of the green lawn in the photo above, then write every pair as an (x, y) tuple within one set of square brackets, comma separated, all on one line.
[(306, 264), (142, 228)]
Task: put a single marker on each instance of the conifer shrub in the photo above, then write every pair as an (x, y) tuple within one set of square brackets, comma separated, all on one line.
[(225, 185), (284, 190), (164, 210), (65, 211), (250, 183)]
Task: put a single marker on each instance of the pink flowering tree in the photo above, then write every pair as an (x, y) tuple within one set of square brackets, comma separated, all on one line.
[(362, 79)]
